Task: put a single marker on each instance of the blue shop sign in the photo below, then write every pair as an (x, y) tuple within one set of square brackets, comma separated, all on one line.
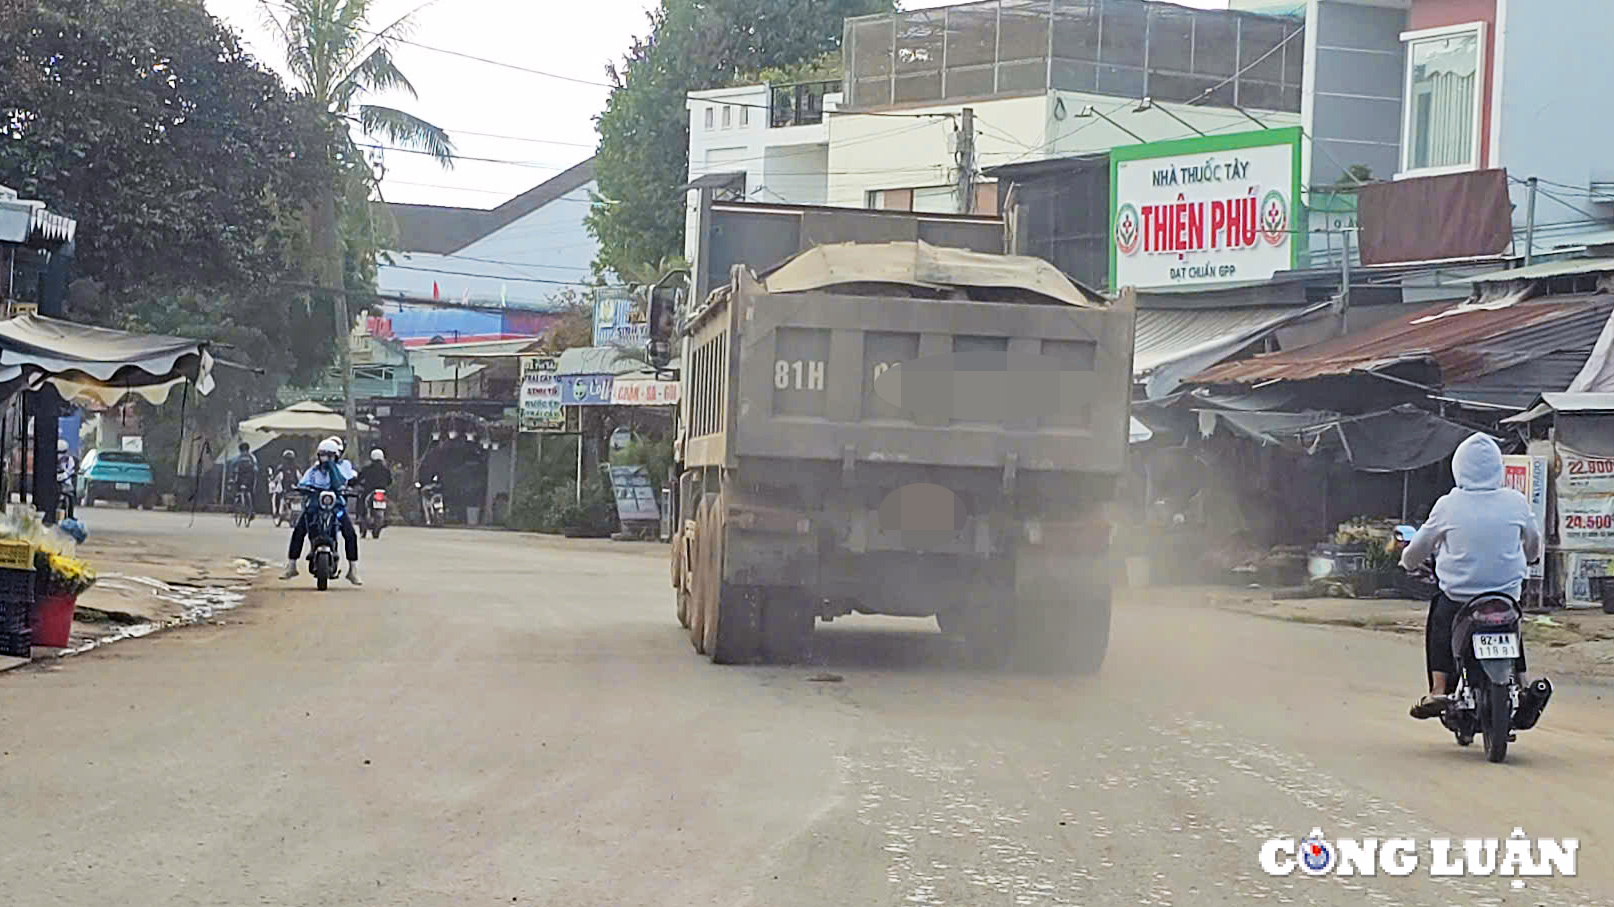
[(585, 390)]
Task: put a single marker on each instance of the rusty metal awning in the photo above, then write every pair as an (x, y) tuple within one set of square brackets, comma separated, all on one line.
[(1462, 345)]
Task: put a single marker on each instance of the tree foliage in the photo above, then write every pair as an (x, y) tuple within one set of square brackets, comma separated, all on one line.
[(643, 155), (146, 121)]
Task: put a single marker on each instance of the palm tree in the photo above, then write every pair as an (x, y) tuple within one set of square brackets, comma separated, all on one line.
[(338, 61)]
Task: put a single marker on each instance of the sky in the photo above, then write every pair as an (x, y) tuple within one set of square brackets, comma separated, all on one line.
[(537, 125)]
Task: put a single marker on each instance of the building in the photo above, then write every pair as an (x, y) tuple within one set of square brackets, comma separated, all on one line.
[(503, 266), (1063, 78)]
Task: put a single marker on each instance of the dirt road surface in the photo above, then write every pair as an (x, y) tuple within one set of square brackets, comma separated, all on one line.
[(500, 719)]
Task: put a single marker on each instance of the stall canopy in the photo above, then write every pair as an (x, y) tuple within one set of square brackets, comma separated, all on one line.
[(101, 365), (305, 418), (1392, 440)]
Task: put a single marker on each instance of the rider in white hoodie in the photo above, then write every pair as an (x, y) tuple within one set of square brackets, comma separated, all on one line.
[(1483, 538)]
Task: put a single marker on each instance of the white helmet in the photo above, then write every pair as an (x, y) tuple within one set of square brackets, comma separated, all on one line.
[(329, 446), (336, 440), (377, 456)]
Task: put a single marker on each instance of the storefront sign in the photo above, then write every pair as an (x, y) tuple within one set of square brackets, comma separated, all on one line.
[(540, 395), (1206, 211), (1583, 474), (1586, 522), (620, 318), (585, 390), (644, 393), (1528, 476), (1585, 487), (1578, 572), (635, 498)]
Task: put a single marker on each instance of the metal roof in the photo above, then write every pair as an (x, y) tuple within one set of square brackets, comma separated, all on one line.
[(1564, 268), (1462, 346), (1163, 335)]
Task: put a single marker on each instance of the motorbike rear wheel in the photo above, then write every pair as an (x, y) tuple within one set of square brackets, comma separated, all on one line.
[(1496, 722), (322, 581)]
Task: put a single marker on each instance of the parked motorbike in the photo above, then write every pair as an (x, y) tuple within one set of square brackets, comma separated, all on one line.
[(373, 518), (322, 532), (431, 502), (1489, 700)]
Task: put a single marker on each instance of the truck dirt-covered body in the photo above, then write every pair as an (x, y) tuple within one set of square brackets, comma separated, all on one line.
[(901, 429)]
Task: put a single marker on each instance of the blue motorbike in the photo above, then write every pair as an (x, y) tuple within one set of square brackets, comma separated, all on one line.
[(324, 516)]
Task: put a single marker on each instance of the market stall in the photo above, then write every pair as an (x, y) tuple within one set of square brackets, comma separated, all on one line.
[(1572, 436), (40, 573)]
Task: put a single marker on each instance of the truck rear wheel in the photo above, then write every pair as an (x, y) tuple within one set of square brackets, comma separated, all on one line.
[(700, 575), (787, 625), (733, 613), (1068, 633), (680, 594)]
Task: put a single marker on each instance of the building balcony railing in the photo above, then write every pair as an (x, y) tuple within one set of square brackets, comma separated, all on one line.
[(799, 103), (1125, 48)]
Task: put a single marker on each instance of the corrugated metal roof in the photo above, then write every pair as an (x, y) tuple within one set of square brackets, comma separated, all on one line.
[(1162, 335), (1549, 269), (1462, 346), (429, 362), (1580, 403)]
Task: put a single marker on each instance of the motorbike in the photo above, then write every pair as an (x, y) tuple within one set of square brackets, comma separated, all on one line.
[(67, 496), (373, 517), (431, 502), (322, 532), (1489, 701)]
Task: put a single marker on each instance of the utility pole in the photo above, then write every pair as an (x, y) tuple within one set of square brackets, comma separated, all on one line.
[(1345, 281), (1530, 225), (966, 162)]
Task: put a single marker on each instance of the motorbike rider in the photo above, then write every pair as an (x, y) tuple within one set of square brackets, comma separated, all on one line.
[(66, 473), (375, 475), (326, 474), (244, 472), (1483, 538), (284, 479)]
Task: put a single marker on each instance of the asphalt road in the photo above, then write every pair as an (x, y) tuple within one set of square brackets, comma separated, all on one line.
[(498, 719)]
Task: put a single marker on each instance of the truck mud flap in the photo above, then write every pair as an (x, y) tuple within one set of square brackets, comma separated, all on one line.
[(758, 558)]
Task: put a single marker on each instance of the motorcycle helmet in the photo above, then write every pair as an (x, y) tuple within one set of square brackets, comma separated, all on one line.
[(287, 455), (243, 447), (61, 445), (329, 446), (376, 456), (341, 447)]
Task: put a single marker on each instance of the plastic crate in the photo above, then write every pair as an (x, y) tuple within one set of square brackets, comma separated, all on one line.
[(16, 600), (16, 556), (16, 645)]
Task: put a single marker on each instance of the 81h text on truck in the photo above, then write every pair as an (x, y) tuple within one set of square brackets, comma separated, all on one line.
[(903, 429)]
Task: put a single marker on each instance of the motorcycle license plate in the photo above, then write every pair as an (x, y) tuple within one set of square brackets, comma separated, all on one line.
[(1496, 645), (121, 486), (379, 505)]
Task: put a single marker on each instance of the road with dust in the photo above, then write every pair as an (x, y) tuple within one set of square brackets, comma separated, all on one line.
[(499, 719)]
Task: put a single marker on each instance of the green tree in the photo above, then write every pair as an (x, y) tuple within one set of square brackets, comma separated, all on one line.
[(338, 61), (643, 155)]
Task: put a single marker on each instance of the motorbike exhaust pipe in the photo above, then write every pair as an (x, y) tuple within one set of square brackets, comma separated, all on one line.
[(1532, 704)]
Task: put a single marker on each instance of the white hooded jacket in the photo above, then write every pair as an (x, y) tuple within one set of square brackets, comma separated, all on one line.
[(1482, 535)]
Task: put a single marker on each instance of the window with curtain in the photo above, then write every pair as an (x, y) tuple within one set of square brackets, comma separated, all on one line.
[(1443, 85)]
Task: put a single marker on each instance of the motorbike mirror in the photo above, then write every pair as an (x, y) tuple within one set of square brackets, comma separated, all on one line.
[(665, 297)]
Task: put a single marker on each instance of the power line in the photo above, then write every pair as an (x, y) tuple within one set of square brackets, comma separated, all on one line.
[(443, 50)]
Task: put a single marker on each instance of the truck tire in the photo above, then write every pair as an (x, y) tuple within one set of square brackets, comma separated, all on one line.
[(787, 625), (700, 573), (1068, 634), (989, 634), (733, 613)]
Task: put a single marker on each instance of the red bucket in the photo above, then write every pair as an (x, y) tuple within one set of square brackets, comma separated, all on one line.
[(53, 621)]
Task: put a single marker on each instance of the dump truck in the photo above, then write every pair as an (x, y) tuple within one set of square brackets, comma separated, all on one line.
[(899, 428)]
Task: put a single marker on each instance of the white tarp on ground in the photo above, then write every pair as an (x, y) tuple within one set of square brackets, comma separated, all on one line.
[(91, 364)]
